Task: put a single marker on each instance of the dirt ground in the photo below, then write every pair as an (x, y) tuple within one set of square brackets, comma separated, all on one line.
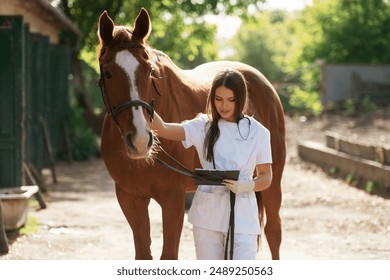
[(323, 218)]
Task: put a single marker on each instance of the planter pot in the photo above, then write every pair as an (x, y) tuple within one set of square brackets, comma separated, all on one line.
[(15, 205)]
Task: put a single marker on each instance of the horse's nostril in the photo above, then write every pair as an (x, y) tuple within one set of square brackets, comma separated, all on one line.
[(150, 143), (129, 141)]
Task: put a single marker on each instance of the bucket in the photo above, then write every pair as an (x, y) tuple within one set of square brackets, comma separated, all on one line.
[(15, 205)]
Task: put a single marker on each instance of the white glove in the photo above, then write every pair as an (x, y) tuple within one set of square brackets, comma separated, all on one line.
[(239, 186)]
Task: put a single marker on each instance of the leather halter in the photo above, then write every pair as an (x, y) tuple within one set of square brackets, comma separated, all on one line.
[(115, 111)]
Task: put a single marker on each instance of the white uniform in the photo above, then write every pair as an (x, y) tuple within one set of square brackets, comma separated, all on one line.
[(236, 149)]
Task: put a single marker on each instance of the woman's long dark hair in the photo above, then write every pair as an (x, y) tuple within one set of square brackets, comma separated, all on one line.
[(235, 81)]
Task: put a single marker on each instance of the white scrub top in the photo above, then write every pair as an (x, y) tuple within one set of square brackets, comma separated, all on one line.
[(236, 149)]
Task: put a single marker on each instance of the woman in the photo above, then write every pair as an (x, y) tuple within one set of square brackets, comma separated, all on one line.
[(225, 139)]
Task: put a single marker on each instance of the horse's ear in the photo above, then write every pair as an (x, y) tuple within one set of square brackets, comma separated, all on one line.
[(143, 26), (106, 27)]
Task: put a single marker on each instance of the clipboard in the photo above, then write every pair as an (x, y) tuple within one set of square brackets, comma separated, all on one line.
[(214, 177)]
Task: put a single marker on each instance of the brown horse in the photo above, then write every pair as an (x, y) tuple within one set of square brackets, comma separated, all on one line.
[(134, 76)]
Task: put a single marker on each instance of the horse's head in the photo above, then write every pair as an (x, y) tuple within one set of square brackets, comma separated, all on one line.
[(127, 82)]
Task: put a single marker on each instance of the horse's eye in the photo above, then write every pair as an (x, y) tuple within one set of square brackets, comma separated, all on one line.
[(107, 75)]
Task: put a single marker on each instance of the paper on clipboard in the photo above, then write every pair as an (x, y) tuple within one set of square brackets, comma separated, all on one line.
[(214, 177)]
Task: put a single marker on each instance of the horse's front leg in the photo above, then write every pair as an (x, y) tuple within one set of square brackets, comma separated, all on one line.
[(135, 209), (172, 205)]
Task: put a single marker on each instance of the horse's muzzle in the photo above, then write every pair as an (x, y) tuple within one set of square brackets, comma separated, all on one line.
[(139, 146)]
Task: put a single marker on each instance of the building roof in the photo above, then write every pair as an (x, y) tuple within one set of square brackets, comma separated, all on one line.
[(56, 15)]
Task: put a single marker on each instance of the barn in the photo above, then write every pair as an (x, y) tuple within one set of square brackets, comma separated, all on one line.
[(36, 43)]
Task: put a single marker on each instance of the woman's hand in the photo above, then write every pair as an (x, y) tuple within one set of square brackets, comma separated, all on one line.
[(258, 184), (239, 186)]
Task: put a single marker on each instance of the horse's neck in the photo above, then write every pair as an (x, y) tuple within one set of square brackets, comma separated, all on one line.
[(190, 77), (180, 89)]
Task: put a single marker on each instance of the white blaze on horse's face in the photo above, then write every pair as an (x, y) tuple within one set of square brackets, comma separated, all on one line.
[(141, 138)]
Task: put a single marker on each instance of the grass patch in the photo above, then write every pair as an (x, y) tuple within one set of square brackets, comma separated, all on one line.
[(31, 226), (333, 170), (371, 186), (33, 203), (350, 179)]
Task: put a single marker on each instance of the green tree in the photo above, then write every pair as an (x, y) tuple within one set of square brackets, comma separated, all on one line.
[(338, 31), (179, 29), (267, 41), (289, 48), (347, 31), (262, 41)]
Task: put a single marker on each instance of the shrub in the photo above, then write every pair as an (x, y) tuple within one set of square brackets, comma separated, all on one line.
[(305, 102), (83, 140)]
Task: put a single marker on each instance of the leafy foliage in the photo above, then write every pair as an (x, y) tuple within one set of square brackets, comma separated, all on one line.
[(261, 42), (289, 48), (345, 31), (179, 28), (83, 141), (266, 42), (305, 102)]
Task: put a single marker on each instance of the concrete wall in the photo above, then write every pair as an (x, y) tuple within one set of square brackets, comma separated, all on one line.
[(337, 80), (346, 164)]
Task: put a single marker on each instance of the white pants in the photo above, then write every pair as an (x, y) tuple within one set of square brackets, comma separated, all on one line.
[(210, 245)]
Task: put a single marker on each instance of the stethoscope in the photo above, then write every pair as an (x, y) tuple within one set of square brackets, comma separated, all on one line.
[(249, 128)]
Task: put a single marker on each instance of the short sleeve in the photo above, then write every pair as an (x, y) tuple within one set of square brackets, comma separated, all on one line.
[(195, 131), (264, 152)]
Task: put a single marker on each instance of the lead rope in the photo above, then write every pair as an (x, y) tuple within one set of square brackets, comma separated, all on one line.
[(231, 226), (186, 172), (230, 232)]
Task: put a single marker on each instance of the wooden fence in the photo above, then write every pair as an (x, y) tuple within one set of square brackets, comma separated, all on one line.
[(34, 98)]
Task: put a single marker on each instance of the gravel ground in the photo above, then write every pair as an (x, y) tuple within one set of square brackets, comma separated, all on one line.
[(323, 218)]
